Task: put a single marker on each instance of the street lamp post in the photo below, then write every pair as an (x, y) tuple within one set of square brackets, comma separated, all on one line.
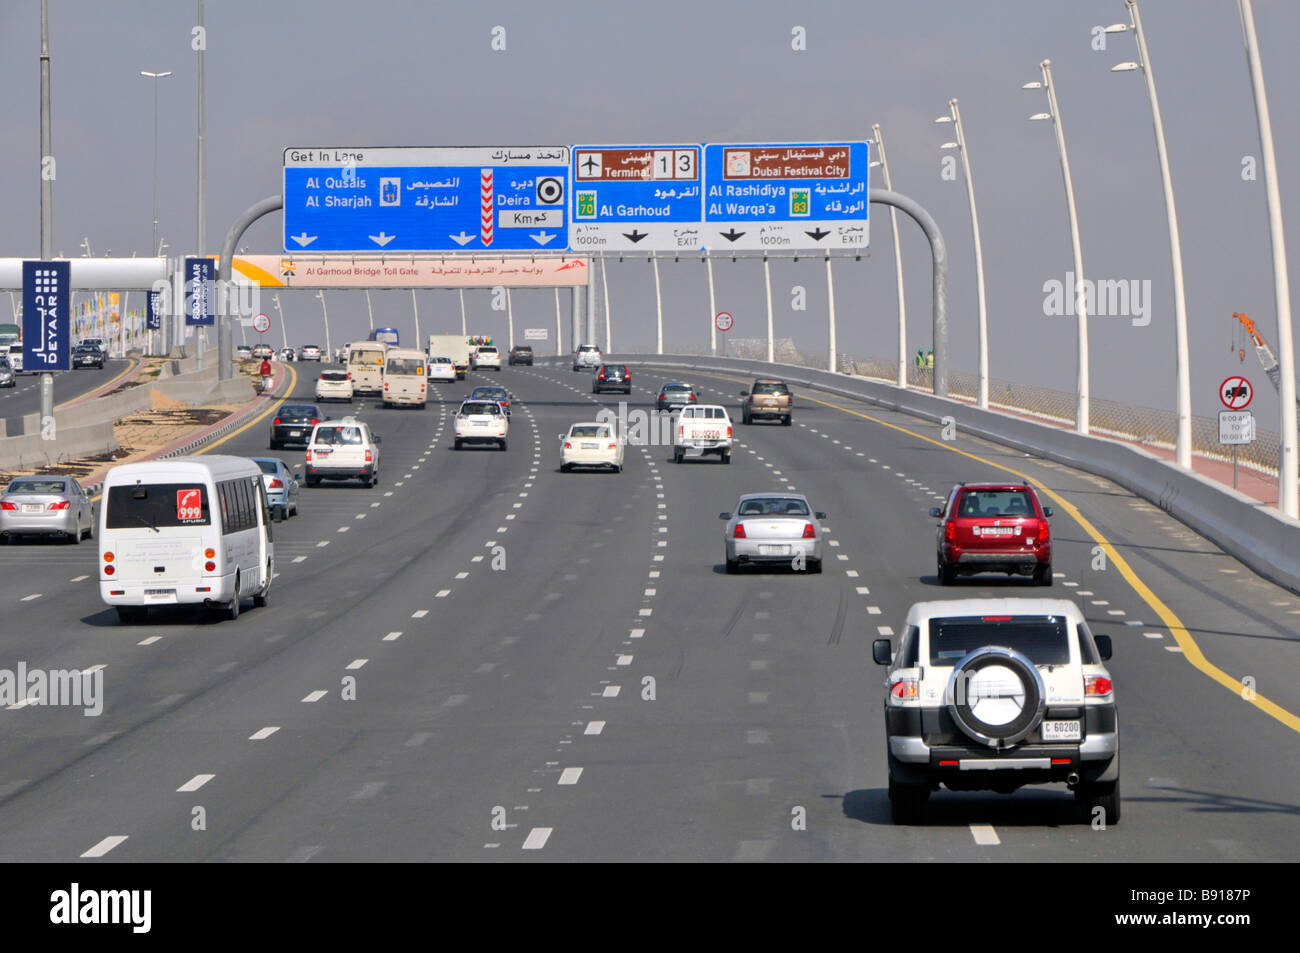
[(883, 162), (960, 146), (1183, 441), (284, 333), (1288, 470), (155, 77), (325, 311), (1080, 298)]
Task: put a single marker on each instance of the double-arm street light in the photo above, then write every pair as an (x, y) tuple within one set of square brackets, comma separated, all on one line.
[(1080, 297), (960, 145)]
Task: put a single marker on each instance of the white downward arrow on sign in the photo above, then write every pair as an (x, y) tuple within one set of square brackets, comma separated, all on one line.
[(541, 237), (304, 239), (462, 238), (381, 239)]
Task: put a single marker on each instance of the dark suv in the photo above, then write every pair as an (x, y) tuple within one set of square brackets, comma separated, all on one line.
[(521, 354), (87, 355), (612, 377), (994, 527)]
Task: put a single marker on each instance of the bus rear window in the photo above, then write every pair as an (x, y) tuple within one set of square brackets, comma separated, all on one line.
[(157, 506)]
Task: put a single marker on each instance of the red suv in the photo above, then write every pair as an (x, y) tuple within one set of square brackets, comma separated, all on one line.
[(994, 527)]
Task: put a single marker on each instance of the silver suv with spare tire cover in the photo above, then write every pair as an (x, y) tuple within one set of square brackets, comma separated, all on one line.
[(994, 694)]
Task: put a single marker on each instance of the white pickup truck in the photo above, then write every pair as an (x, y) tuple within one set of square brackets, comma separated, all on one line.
[(701, 430)]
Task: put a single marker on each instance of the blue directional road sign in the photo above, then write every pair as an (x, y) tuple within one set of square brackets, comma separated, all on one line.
[(637, 198), (426, 199), (47, 326), (792, 196)]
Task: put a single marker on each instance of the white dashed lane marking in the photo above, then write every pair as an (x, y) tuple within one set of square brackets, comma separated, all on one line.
[(194, 783), (104, 846)]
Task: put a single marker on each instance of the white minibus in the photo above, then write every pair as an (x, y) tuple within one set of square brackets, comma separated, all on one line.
[(405, 379), (191, 530), (366, 366)]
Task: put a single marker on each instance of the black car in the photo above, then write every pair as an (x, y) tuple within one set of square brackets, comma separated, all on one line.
[(612, 377), (521, 354), (87, 355), (293, 424)]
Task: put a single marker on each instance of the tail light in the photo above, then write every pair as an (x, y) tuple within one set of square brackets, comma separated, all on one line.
[(808, 531), (385, 385), (949, 531), (209, 554), (108, 557), (906, 688), (613, 446), (681, 430), (275, 422), (277, 484), (601, 375), (1042, 531), (315, 421), (739, 532), (309, 456), (109, 570), (59, 506), (368, 456), (1097, 685), (691, 398), (349, 375), (6, 505), (210, 566), (567, 445), (728, 433)]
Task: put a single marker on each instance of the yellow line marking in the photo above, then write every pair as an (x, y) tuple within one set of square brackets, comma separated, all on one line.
[(132, 366), (260, 417), (234, 433), (1191, 650)]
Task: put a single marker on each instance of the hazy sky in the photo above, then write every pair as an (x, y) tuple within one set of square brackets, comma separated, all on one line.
[(405, 72)]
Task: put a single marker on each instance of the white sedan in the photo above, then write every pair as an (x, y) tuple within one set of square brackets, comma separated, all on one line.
[(591, 445), (481, 421), (441, 369)]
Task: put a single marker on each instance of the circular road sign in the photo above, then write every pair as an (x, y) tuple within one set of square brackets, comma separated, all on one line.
[(1236, 393), (261, 324), (724, 321)]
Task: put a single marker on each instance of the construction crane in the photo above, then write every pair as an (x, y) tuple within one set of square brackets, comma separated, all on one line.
[(1262, 351)]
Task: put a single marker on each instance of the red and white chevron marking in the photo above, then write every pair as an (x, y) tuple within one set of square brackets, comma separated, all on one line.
[(485, 202)]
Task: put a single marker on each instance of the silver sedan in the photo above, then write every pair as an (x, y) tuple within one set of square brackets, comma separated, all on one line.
[(773, 529), (45, 506), (281, 486)]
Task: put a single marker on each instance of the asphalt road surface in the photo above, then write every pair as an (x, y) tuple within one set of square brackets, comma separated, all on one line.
[(484, 659)]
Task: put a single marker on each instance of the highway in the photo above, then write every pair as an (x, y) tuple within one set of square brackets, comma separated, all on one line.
[(25, 396), (482, 659)]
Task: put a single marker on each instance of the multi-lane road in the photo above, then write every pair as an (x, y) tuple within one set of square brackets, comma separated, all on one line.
[(483, 659)]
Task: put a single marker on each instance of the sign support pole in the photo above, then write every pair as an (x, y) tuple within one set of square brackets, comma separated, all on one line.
[(833, 364), (510, 318), (659, 305), (767, 277), (559, 322), (713, 309), (604, 284), (47, 190)]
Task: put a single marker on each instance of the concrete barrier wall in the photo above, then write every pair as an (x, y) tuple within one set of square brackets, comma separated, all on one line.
[(1256, 534), (29, 451), (88, 428)]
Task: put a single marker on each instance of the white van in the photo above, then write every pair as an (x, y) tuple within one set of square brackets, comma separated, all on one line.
[(404, 377), (191, 530), (366, 366)]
